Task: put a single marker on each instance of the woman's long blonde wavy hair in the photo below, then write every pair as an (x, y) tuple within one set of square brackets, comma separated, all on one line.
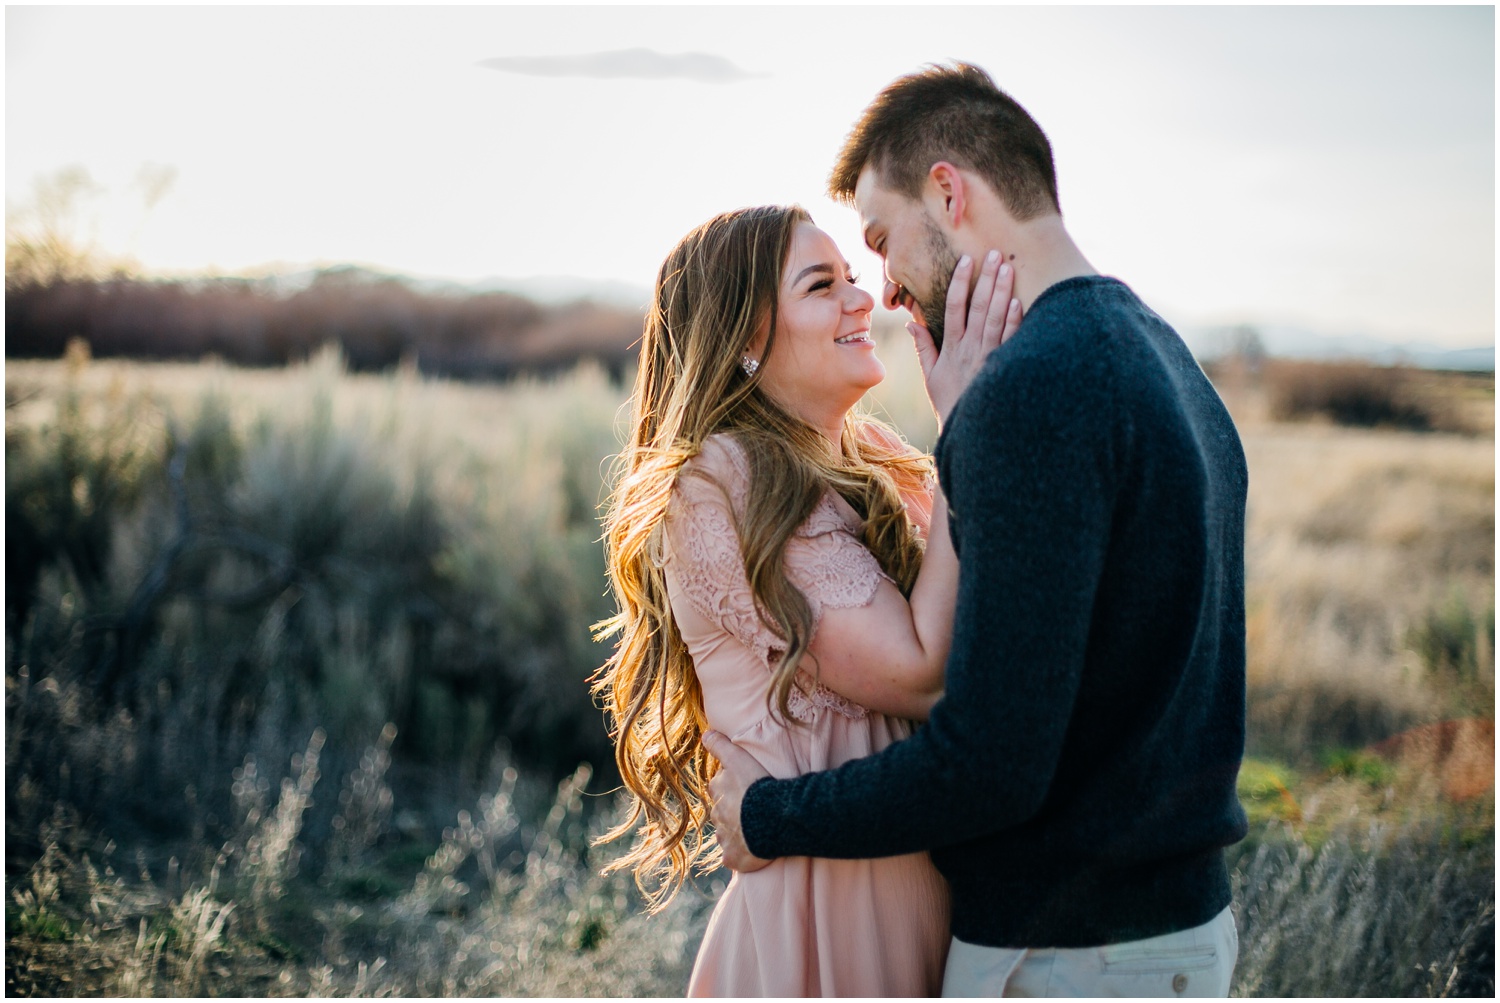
[(717, 289)]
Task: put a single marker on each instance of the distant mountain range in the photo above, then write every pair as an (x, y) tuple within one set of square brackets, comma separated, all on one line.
[(548, 290), (554, 289), (1290, 342)]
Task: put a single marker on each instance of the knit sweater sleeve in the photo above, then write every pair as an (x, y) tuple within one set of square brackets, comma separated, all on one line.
[(1030, 464)]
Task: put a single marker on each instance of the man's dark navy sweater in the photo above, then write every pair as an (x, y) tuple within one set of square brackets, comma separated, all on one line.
[(1076, 783)]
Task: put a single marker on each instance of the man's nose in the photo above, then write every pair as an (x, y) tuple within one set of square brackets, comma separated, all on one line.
[(891, 295)]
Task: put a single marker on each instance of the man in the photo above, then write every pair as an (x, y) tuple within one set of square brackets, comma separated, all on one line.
[(1076, 783)]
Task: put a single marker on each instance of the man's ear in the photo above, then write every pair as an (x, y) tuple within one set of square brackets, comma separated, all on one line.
[(947, 193)]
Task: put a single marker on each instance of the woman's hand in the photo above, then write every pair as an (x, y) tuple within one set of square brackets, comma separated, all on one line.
[(973, 325)]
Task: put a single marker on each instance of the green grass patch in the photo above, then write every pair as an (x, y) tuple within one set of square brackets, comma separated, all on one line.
[(38, 923), (1265, 790), (1359, 764)]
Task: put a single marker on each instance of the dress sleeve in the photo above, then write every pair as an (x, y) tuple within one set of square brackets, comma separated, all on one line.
[(829, 565), (833, 570), (703, 546)]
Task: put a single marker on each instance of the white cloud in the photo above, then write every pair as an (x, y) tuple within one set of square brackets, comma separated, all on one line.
[(638, 64)]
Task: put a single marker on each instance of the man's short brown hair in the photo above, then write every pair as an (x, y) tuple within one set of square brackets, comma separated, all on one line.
[(953, 113)]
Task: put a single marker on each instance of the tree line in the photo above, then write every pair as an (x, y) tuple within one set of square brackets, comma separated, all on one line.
[(378, 321)]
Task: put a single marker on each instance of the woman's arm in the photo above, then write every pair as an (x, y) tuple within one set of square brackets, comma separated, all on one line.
[(889, 655)]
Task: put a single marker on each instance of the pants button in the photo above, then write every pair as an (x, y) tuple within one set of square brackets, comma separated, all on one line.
[(1179, 983)]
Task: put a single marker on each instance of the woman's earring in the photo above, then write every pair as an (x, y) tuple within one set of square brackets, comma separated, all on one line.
[(749, 365)]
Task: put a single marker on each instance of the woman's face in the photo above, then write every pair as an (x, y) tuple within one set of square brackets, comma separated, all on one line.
[(824, 359)]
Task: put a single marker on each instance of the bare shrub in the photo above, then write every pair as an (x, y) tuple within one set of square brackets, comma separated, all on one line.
[(270, 856), (1354, 393), (1454, 637), (1369, 912), (65, 484), (364, 807), (198, 921)]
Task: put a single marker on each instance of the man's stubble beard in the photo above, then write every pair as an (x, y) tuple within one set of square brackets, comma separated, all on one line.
[(935, 303)]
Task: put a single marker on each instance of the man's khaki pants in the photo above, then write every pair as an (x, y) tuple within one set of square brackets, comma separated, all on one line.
[(1196, 962)]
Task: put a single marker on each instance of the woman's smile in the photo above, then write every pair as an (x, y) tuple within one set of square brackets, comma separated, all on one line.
[(820, 308)]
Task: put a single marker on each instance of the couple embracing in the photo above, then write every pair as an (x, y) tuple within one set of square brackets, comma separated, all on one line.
[(975, 733)]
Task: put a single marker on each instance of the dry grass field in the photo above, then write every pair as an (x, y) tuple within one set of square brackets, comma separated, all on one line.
[(359, 779)]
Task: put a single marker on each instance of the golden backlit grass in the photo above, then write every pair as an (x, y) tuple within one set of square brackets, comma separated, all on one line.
[(1358, 542)]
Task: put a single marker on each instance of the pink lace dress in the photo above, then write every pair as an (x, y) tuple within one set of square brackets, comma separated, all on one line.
[(803, 926)]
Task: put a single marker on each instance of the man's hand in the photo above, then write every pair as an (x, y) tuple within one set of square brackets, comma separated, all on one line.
[(974, 324), (727, 789)]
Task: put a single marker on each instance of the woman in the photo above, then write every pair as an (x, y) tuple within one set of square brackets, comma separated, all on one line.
[(766, 547)]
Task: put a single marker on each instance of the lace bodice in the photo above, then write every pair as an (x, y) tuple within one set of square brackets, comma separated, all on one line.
[(824, 560)]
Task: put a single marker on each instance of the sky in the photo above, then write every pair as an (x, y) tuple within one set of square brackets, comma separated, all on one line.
[(1332, 168)]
